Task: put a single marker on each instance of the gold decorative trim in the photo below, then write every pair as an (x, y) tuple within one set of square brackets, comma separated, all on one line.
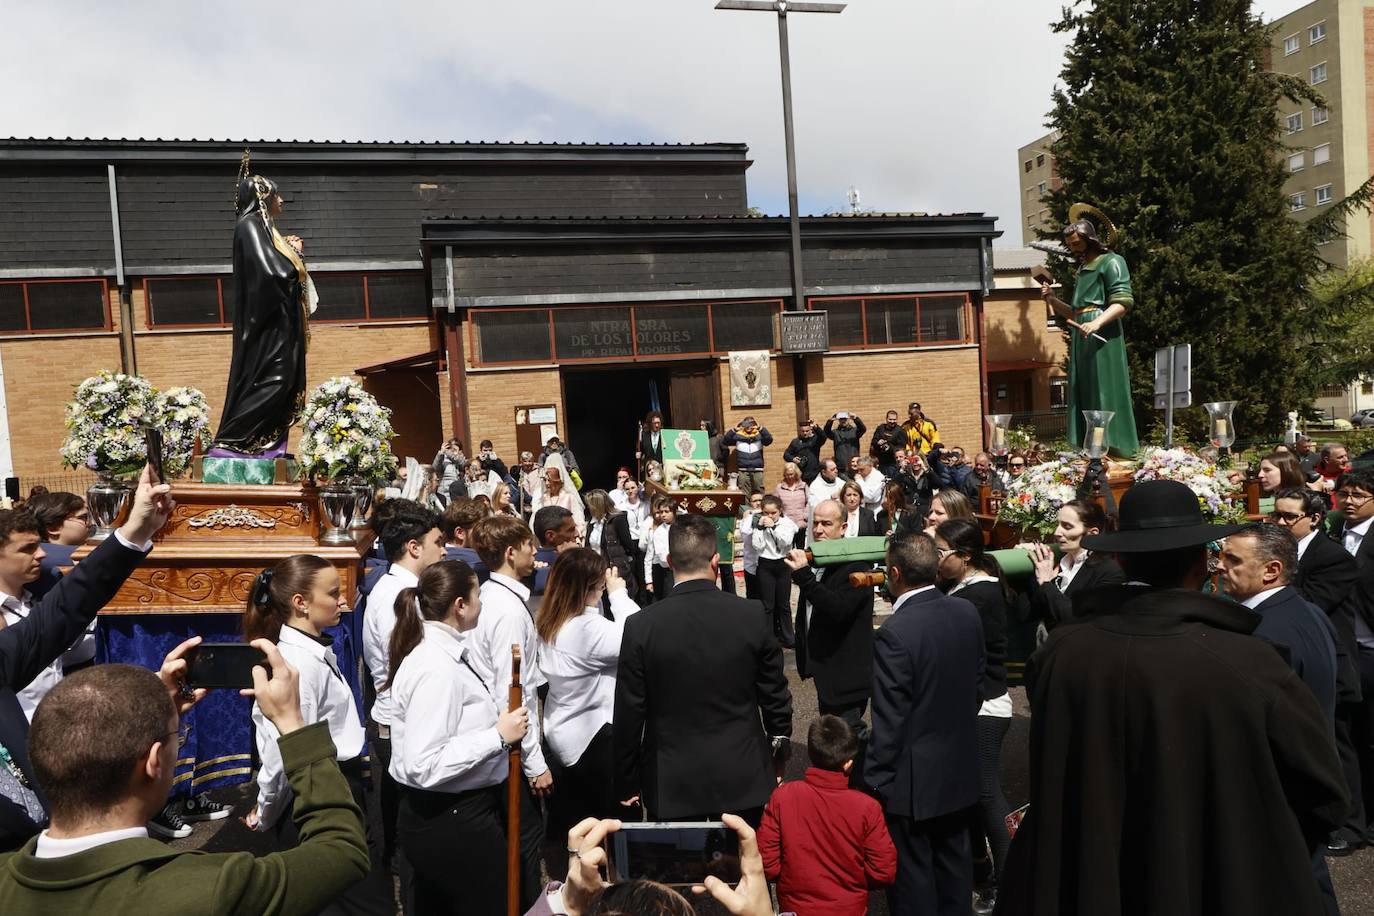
[(244, 771), (706, 504), (231, 517)]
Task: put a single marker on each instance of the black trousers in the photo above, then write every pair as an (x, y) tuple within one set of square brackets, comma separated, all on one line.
[(457, 846), (934, 867), (1361, 717), (371, 896), (585, 788), (663, 582), (751, 585), (1354, 827), (990, 818), (775, 590)]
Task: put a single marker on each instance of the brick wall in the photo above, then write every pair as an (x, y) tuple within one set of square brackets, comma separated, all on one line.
[(41, 373), (493, 397), (870, 383)]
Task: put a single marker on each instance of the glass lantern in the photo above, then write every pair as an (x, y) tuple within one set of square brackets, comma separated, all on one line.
[(1095, 423), (999, 424), (1220, 428)]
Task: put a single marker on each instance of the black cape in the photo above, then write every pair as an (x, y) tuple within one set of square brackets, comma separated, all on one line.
[(267, 374), (1178, 766)]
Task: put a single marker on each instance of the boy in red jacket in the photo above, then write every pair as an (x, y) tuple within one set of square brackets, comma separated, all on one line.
[(825, 844)]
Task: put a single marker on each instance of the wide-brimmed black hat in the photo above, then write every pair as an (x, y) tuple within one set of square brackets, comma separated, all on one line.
[(1158, 515)]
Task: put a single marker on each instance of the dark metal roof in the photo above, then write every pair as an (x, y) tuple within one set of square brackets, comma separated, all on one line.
[(374, 151), (482, 230)]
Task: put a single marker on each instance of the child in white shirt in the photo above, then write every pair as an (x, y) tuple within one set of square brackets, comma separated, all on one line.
[(772, 535), (658, 577)]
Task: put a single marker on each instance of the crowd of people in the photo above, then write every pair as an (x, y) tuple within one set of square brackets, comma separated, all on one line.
[(1178, 762)]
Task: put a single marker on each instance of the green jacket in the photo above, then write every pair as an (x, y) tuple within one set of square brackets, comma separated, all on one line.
[(143, 876)]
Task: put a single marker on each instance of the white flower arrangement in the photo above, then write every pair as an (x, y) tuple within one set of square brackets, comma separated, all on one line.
[(1035, 496), (1214, 490), (184, 416), (346, 433), (105, 424)]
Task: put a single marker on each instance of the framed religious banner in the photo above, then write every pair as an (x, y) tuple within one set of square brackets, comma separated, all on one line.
[(750, 379), (687, 463)]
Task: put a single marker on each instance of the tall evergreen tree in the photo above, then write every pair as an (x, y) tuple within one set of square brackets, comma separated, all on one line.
[(1168, 122)]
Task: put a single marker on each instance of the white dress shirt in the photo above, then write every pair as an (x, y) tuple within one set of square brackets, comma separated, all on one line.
[(379, 619), (638, 517), (654, 542), (1303, 542), (851, 523), (580, 666), (50, 848), (1068, 568), (619, 499), (1354, 537), (325, 697), (505, 620), (443, 724), (774, 543), (819, 491), (746, 539), (1259, 598), (872, 488)]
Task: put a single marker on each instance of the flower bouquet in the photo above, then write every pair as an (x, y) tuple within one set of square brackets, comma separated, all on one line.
[(1208, 481), (1035, 497), (184, 417), (105, 424), (346, 434)]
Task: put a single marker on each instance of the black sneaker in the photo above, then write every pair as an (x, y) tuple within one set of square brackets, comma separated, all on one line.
[(169, 824), (203, 808)]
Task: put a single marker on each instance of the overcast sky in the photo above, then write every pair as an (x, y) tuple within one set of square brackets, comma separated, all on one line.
[(920, 104)]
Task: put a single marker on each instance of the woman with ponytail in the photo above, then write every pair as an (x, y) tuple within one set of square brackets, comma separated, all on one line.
[(967, 571), (579, 651), (292, 604), (450, 741)]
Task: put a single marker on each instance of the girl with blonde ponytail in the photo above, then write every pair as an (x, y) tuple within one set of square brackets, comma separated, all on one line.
[(292, 604)]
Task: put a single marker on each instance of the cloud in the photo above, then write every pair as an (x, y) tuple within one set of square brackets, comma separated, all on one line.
[(919, 105)]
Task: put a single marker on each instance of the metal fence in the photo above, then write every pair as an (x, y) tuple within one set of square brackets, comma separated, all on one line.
[(57, 482), (1049, 425)]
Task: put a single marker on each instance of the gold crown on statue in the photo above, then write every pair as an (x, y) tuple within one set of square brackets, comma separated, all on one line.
[(1107, 229)]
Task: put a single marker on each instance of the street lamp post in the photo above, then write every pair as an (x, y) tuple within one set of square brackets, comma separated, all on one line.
[(782, 8)]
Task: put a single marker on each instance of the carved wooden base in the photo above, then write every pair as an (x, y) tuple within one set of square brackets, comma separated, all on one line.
[(720, 503), (218, 538)]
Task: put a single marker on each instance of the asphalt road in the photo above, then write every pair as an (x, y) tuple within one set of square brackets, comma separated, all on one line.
[(1353, 875)]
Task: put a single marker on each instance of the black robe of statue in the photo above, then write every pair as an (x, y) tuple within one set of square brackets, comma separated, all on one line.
[(267, 374)]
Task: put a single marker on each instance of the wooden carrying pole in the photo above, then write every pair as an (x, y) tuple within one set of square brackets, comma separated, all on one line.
[(513, 785)]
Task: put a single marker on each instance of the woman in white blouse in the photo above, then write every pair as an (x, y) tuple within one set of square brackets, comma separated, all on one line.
[(450, 746), (292, 604), (579, 649)]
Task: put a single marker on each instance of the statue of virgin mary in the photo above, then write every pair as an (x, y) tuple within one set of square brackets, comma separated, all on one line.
[(272, 300)]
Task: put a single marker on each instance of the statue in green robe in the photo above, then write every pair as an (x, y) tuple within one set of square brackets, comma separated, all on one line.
[(1098, 376)]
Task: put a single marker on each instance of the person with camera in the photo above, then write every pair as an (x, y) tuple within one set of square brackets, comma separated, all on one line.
[(292, 604), (805, 451), (448, 464), (104, 746), (748, 438), (845, 431), (31, 645), (887, 440)]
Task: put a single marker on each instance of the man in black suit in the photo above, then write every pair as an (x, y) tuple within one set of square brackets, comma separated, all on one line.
[(1326, 576), (922, 753), (650, 442), (50, 626), (1354, 496), (835, 629), (698, 671)]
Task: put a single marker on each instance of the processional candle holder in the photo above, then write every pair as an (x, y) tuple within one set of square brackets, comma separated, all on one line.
[(999, 426), (1095, 423), (1221, 429)]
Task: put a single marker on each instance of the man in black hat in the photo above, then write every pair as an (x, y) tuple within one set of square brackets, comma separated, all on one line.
[(1178, 764)]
